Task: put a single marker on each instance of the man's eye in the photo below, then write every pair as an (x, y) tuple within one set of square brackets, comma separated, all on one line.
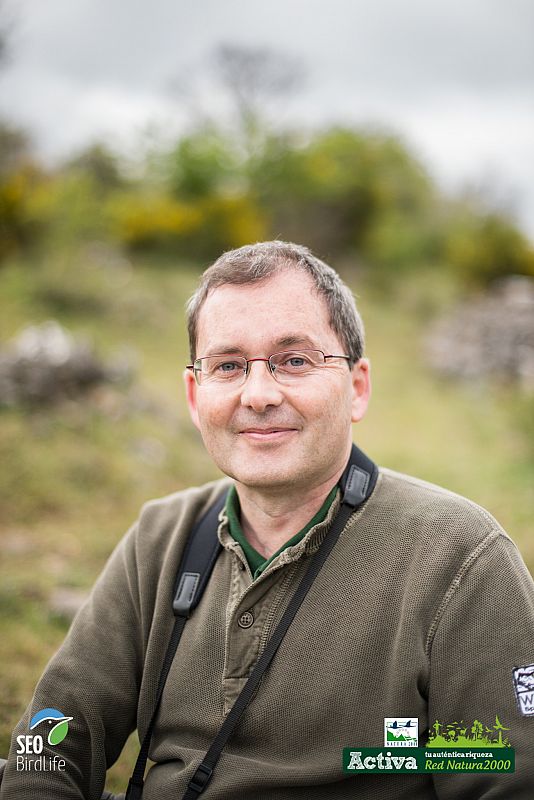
[(226, 367), (296, 362)]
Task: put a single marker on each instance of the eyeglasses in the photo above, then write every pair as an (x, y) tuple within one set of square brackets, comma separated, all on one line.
[(286, 367)]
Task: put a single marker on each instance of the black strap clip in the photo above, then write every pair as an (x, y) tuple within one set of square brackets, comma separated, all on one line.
[(356, 487), (185, 594), (200, 779)]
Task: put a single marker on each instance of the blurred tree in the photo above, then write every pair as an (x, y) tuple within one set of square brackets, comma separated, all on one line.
[(19, 172), (152, 220), (6, 30), (239, 90), (252, 78), (333, 190), (100, 164), (209, 168), (71, 209), (19, 177), (203, 163), (14, 148), (481, 248)]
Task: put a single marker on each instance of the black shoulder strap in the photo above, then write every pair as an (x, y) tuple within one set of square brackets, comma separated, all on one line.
[(198, 560), (357, 483)]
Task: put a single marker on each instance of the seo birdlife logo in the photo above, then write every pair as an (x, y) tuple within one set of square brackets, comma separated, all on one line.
[(58, 724), (50, 725)]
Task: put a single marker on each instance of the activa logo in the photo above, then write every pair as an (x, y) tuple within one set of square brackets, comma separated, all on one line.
[(54, 726), (366, 759)]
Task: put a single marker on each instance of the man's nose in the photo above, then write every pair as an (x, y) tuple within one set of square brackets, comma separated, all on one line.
[(260, 388)]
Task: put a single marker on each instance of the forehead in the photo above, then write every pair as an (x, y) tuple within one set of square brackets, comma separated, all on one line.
[(263, 315)]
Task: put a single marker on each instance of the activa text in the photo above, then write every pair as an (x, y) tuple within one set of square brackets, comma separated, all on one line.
[(381, 761)]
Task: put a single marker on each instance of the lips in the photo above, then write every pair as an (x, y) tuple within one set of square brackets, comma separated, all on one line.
[(266, 430), (266, 434)]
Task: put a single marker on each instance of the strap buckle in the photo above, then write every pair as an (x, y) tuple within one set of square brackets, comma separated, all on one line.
[(185, 594), (356, 486), (200, 779)]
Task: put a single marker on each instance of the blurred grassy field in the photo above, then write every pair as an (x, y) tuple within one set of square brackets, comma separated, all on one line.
[(74, 476)]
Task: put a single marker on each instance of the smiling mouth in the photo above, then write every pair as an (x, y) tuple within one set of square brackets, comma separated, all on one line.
[(267, 433)]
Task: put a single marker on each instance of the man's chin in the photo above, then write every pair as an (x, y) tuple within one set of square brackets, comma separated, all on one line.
[(262, 475), (262, 466), (262, 478)]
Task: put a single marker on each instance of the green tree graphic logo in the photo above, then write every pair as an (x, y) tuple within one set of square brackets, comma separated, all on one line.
[(458, 734)]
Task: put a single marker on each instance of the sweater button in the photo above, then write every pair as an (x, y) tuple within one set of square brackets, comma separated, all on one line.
[(246, 620)]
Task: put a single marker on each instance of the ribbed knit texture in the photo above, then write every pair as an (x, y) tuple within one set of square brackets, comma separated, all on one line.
[(422, 610)]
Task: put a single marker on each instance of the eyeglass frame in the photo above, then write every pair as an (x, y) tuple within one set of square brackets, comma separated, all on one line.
[(266, 360)]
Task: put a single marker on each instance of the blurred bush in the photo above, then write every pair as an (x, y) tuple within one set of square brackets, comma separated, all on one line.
[(359, 196), (202, 164), (20, 179), (143, 220), (481, 248), (198, 229), (69, 209), (334, 190)]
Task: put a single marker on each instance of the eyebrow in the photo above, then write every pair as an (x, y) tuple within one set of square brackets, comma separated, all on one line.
[(285, 341), (223, 351), (289, 341)]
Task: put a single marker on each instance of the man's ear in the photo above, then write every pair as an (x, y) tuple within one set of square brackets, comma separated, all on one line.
[(361, 388), (191, 387)]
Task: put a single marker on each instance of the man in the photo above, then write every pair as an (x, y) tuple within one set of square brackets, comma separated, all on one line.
[(422, 613)]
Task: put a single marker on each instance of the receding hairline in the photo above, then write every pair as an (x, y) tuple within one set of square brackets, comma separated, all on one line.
[(259, 281), (244, 280), (259, 263), (290, 339)]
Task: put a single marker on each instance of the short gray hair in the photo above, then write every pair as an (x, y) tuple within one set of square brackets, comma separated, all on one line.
[(258, 262)]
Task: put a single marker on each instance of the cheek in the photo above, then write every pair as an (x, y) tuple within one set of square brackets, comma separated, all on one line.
[(213, 412), (329, 406)]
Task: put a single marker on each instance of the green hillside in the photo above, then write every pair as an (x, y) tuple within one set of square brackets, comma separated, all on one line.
[(76, 474), (111, 250)]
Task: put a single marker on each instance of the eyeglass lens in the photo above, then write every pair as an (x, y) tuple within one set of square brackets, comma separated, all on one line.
[(285, 366)]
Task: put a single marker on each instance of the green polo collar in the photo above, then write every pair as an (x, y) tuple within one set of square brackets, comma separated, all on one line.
[(256, 561)]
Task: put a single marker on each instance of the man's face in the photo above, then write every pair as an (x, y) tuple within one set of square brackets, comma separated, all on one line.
[(264, 434)]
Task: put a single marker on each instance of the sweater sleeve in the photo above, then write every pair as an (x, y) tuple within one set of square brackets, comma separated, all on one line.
[(485, 629), (94, 678)]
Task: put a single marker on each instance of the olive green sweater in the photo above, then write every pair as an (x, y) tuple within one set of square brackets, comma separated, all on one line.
[(422, 610)]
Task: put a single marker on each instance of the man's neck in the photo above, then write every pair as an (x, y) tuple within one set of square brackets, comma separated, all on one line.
[(268, 521)]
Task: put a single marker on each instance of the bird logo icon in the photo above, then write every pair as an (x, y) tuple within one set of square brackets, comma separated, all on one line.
[(58, 723)]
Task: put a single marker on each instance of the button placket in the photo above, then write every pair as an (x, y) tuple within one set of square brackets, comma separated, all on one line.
[(245, 624)]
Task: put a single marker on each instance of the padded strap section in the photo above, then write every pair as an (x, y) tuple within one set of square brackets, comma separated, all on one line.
[(200, 555), (198, 560)]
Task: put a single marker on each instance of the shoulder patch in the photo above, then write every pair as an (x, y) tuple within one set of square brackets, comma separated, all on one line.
[(524, 689)]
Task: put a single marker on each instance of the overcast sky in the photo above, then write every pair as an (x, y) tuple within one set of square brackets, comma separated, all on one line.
[(454, 77)]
